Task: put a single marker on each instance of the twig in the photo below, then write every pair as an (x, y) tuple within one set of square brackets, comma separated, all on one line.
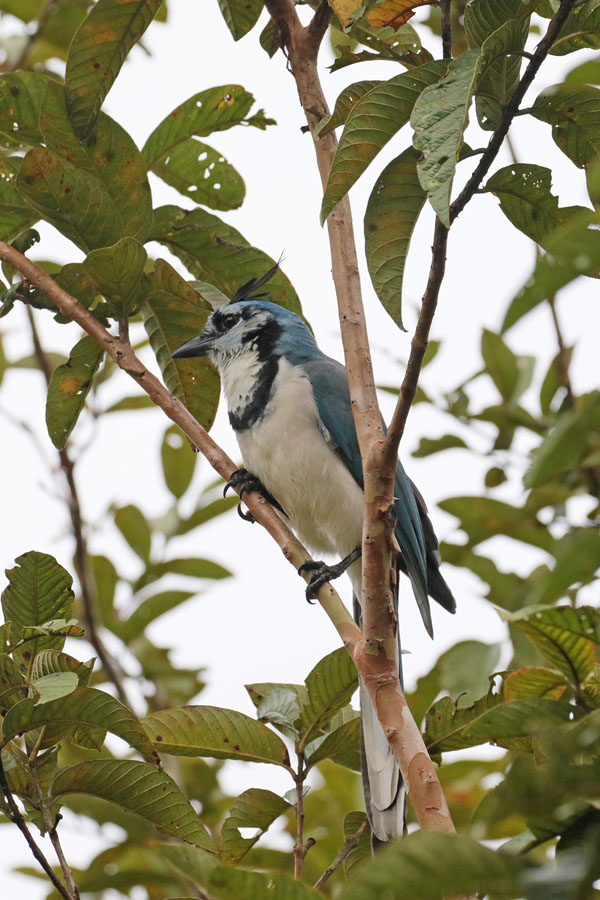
[(349, 845), (300, 848), (446, 29), (80, 558), (19, 821), (562, 358), (538, 57)]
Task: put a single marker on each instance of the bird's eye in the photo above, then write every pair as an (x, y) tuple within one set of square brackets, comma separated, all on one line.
[(229, 321)]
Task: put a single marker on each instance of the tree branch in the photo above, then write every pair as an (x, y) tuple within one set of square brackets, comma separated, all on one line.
[(446, 29), (488, 157), (80, 557), (19, 821), (349, 845)]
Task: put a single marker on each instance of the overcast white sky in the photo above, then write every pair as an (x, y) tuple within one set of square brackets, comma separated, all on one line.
[(257, 626)]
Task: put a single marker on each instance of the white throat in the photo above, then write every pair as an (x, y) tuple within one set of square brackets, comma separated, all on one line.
[(239, 376)]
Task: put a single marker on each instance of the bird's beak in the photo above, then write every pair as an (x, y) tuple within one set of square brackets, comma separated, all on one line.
[(198, 346)]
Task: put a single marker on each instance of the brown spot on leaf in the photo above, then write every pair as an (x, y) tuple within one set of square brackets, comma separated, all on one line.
[(236, 747), (158, 737)]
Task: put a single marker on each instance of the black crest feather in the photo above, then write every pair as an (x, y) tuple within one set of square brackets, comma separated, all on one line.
[(248, 290)]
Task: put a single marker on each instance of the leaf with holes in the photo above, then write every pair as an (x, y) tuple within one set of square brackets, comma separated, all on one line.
[(240, 15), (216, 109), (524, 192), (69, 387), (178, 461), (573, 111), (97, 53), (565, 636), (391, 215), (374, 119), (82, 708), (217, 253), (255, 808), (21, 98), (173, 313), (214, 732), (202, 174), (139, 788), (15, 214), (39, 590)]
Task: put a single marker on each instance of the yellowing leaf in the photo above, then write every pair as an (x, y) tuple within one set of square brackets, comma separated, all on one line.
[(395, 12)]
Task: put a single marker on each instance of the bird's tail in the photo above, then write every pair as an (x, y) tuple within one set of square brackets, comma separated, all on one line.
[(385, 795)]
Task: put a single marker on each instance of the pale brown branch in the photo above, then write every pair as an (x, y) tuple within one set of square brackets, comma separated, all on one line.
[(80, 558)]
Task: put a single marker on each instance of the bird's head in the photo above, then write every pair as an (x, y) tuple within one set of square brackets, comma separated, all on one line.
[(250, 324)]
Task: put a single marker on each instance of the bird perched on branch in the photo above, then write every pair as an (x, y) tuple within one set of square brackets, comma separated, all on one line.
[(289, 405)]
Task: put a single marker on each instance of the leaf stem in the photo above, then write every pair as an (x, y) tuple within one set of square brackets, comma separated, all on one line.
[(446, 29)]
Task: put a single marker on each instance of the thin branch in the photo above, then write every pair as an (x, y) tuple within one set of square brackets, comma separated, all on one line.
[(300, 848), (80, 558), (42, 20), (17, 818), (538, 57), (562, 359), (446, 29), (349, 845)]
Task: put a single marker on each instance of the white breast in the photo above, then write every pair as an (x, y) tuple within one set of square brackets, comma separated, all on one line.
[(288, 450)]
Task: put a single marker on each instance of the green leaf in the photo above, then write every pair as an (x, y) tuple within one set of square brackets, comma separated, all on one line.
[(330, 684), (233, 884), (344, 105), (205, 513), (13, 686), (240, 15), (482, 517), (428, 446), (574, 113), (431, 864), (39, 590), (580, 31), (564, 635), (568, 443), (341, 745), (280, 707), (53, 686), (255, 808), (534, 681), (374, 119), (151, 609), (217, 253), (214, 732), (132, 524), (21, 100), (362, 852), (93, 194), (391, 215), (178, 461), (441, 114), (201, 173), (193, 567), (577, 561), (15, 215), (216, 109), (69, 387), (139, 788), (490, 719), (527, 202), (554, 380), (500, 363), (117, 272), (482, 18), (47, 662), (97, 52), (173, 313), (83, 707)]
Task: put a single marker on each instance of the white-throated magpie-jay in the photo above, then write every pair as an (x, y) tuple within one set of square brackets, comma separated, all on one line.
[(289, 405)]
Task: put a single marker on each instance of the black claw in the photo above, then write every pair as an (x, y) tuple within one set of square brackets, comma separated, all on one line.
[(324, 573), (247, 483), (246, 516)]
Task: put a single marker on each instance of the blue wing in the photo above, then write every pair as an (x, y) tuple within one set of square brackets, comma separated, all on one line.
[(330, 388)]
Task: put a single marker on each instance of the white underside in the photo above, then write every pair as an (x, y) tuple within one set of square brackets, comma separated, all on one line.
[(291, 452)]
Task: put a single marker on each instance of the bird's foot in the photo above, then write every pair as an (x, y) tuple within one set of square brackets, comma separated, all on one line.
[(247, 483), (322, 573)]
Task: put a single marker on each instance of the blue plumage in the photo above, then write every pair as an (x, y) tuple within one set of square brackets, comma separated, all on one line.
[(290, 407)]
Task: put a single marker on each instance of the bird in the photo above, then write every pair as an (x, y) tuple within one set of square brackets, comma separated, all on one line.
[(289, 406)]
